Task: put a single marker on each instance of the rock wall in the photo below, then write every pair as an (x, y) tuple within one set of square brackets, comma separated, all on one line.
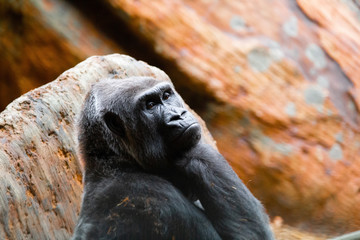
[(40, 173), (283, 76), (276, 82), (41, 39)]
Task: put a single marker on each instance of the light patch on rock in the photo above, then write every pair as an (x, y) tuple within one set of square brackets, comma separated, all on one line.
[(269, 143), (353, 7), (313, 71), (283, 148), (336, 152), (275, 51), (315, 96), (276, 54), (320, 108), (237, 69), (323, 82), (290, 27), (290, 109), (339, 137), (316, 55), (351, 106), (318, 154), (237, 23), (259, 59)]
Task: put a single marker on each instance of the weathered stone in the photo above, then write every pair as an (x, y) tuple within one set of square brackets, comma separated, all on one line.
[(39, 40), (276, 82), (40, 173), (297, 97)]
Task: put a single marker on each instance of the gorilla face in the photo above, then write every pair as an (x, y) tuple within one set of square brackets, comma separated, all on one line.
[(163, 107), (147, 119)]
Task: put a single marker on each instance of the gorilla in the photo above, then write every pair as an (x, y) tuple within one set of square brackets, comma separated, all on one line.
[(146, 163)]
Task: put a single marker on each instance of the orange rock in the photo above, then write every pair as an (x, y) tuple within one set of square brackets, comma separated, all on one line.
[(277, 83), (281, 110), (40, 172), (41, 39)]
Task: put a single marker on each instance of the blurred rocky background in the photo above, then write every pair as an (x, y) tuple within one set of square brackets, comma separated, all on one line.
[(276, 81)]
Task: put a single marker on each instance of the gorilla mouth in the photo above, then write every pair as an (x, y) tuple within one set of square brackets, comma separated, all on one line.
[(188, 127), (189, 130)]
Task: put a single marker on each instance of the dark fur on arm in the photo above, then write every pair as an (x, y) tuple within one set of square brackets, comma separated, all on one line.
[(230, 206)]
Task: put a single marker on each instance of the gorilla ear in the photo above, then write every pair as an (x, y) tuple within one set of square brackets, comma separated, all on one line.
[(114, 123)]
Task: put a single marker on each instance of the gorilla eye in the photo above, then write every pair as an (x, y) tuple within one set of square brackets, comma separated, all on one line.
[(150, 104), (166, 95)]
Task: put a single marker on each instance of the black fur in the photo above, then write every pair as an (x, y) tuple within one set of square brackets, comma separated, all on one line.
[(145, 164)]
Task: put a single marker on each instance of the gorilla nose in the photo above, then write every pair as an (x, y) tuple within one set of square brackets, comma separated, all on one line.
[(176, 114)]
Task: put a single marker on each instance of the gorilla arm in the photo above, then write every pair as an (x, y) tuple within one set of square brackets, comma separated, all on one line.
[(233, 210), (143, 206)]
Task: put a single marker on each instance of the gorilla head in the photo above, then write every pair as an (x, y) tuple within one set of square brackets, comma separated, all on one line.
[(140, 118)]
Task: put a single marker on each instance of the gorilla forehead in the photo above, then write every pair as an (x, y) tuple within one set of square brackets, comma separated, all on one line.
[(112, 94)]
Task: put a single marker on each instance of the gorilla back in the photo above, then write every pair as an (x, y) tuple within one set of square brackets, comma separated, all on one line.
[(145, 163)]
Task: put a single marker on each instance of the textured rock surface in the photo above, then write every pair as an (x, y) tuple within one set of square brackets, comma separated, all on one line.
[(40, 174), (39, 39), (276, 81), (284, 113)]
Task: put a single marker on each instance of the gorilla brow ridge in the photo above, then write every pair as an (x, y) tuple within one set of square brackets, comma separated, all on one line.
[(153, 91)]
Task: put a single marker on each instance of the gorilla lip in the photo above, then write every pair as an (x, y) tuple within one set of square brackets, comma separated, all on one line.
[(183, 132)]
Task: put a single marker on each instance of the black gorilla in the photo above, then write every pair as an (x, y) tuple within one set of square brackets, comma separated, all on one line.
[(145, 164)]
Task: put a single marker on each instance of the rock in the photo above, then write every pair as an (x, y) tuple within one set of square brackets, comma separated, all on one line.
[(277, 83), (41, 39), (280, 108), (40, 173)]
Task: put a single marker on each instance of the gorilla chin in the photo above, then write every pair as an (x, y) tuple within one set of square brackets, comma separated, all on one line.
[(188, 137)]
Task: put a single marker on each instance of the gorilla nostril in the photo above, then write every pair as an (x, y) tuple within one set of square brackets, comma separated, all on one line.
[(176, 114), (175, 117)]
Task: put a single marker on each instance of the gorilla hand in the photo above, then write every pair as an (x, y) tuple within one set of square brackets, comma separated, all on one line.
[(232, 209)]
